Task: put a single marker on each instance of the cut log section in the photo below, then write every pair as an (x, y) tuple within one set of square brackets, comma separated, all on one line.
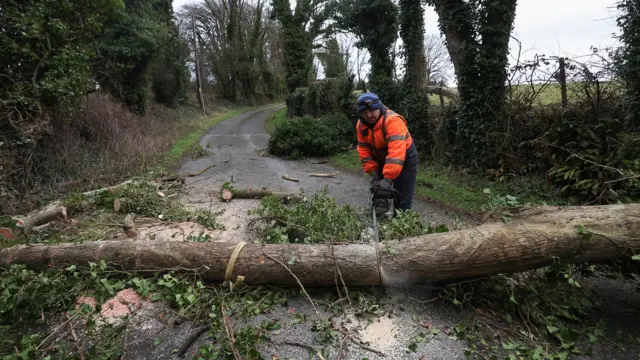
[(533, 238), (45, 216), (129, 226), (119, 204)]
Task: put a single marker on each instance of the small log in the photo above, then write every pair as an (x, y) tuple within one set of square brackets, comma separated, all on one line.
[(129, 226), (110, 189), (53, 212), (287, 177), (228, 194), (322, 175)]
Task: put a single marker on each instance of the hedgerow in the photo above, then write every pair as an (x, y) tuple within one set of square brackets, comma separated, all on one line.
[(312, 137)]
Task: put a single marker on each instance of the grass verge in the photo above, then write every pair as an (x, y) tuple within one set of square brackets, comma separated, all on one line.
[(274, 120), (190, 139), (462, 192)]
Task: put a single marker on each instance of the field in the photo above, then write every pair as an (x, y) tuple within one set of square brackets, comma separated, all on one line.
[(543, 94)]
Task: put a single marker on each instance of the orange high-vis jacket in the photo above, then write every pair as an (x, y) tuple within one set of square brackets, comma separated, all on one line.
[(386, 143)]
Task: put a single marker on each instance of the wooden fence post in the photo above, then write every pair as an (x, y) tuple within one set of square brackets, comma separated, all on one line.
[(563, 81)]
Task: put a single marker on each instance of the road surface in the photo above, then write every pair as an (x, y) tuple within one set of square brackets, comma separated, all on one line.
[(403, 313)]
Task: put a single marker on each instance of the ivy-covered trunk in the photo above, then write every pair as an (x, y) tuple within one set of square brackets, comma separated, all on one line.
[(298, 31), (629, 66), (477, 36), (415, 103), (375, 23)]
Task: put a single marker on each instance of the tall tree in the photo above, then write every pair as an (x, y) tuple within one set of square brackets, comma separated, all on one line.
[(236, 40), (477, 34), (130, 44), (439, 63), (332, 59), (300, 28), (629, 57), (375, 23), (47, 48), (415, 104)]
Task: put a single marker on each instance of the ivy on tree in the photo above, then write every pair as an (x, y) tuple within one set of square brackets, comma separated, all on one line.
[(375, 23), (477, 36), (629, 58), (299, 30), (415, 103)]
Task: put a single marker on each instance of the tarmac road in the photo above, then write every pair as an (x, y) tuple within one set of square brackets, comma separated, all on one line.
[(236, 145), (403, 313)]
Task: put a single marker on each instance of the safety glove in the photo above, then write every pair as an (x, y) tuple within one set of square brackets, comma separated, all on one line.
[(375, 179), (385, 188)]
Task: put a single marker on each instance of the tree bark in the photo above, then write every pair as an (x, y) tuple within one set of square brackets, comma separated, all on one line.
[(533, 238), (227, 194), (45, 216)]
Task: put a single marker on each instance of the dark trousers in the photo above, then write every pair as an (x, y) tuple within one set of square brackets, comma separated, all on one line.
[(405, 183)]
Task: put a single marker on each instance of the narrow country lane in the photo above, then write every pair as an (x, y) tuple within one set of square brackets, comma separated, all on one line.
[(235, 147)]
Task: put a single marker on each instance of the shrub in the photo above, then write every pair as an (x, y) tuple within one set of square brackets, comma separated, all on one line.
[(312, 137), (323, 97), (309, 221)]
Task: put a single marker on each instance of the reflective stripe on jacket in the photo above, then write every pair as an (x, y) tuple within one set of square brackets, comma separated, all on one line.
[(387, 142)]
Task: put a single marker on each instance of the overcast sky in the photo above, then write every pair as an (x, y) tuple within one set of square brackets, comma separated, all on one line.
[(550, 27)]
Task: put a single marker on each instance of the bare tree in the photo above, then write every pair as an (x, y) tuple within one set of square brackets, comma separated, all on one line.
[(239, 46), (439, 65)]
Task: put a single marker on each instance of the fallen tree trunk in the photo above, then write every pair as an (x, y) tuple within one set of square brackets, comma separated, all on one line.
[(533, 238)]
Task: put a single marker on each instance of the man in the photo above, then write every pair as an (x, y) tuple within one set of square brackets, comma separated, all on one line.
[(386, 149)]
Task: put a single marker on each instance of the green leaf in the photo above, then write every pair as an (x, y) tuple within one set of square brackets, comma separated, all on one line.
[(71, 268), (191, 298), (413, 347), (552, 329), (292, 261)]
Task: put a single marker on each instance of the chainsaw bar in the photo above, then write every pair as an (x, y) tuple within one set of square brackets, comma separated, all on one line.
[(376, 230)]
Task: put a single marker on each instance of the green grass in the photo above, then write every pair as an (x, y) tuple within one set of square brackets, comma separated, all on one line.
[(434, 183), (190, 139), (461, 192), (274, 120)]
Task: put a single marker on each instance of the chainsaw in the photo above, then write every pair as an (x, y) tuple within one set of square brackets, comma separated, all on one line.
[(382, 206)]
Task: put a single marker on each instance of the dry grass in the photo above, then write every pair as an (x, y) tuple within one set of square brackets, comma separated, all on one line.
[(102, 145)]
